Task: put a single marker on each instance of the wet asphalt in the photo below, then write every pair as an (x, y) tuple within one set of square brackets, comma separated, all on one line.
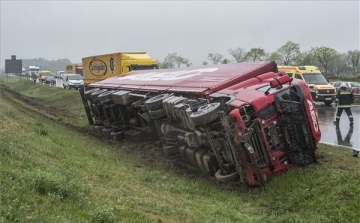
[(342, 135)]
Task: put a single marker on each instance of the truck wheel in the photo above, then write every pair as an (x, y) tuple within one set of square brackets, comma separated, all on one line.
[(64, 86), (205, 114), (156, 101), (226, 178), (156, 114)]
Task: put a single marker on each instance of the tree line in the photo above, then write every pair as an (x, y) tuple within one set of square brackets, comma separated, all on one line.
[(44, 64), (329, 60)]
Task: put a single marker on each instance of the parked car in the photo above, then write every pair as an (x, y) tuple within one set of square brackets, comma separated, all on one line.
[(354, 87), (73, 81)]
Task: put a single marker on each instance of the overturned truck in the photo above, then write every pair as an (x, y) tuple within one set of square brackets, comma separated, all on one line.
[(239, 122)]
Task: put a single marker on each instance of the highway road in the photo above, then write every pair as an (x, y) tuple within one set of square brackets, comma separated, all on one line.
[(343, 136)]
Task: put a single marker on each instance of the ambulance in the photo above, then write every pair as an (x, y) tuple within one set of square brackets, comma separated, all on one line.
[(321, 89)]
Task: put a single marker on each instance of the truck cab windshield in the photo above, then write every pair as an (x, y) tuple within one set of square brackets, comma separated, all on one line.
[(318, 79)]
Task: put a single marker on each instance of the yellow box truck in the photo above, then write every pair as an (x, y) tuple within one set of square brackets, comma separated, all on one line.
[(74, 68), (320, 88), (96, 68)]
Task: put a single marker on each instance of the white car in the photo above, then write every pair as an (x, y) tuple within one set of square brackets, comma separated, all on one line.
[(73, 81), (59, 74), (354, 87)]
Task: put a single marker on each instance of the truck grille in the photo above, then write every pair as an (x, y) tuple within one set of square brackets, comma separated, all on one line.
[(329, 91), (253, 137), (272, 136)]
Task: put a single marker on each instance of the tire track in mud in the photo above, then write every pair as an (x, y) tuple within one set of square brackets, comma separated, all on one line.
[(148, 150), (32, 108)]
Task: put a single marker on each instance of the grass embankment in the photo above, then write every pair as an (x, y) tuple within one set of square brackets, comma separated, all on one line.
[(50, 173)]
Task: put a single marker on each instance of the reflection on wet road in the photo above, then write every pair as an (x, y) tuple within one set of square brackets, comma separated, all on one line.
[(343, 135)]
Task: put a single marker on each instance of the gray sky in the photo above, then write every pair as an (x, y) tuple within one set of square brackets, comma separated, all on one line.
[(193, 29)]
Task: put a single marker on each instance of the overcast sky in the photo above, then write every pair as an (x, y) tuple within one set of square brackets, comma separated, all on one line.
[(193, 29)]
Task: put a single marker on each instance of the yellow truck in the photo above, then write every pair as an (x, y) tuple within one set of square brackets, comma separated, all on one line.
[(100, 67), (74, 68), (320, 88)]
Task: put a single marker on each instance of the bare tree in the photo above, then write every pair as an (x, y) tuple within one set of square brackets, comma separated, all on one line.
[(353, 59), (215, 58), (288, 53), (238, 53)]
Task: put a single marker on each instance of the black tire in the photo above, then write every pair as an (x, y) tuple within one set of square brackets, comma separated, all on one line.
[(232, 177), (156, 101), (156, 114), (64, 86), (205, 114)]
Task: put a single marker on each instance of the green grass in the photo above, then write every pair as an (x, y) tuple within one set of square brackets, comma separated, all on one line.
[(49, 173), (67, 102)]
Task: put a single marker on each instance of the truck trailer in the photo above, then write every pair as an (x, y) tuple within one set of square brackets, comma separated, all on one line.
[(74, 68), (242, 122), (32, 70), (100, 67)]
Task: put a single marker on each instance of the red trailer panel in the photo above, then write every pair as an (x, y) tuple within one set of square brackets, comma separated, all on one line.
[(191, 79)]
